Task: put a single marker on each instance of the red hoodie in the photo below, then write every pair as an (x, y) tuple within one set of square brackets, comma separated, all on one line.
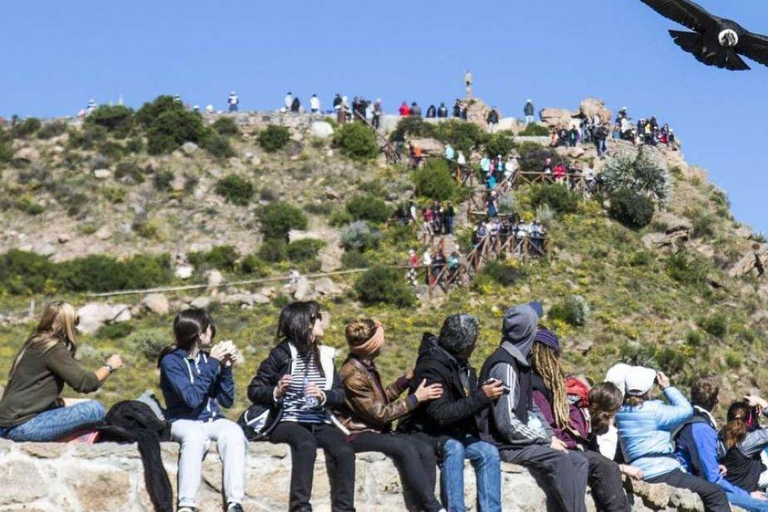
[(405, 110)]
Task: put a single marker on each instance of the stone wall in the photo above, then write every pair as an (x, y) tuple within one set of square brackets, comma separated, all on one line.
[(48, 477)]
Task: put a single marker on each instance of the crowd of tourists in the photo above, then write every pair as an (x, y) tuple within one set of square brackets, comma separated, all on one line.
[(498, 231), (521, 407)]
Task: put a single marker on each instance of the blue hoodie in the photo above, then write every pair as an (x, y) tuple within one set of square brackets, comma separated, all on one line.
[(195, 389)]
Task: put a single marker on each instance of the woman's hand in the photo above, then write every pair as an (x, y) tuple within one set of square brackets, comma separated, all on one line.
[(662, 380), (631, 471), (426, 393), (115, 361), (314, 391), (756, 401), (282, 386), (759, 496), (219, 352)]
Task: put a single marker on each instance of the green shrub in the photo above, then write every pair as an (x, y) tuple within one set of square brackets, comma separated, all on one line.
[(150, 111), (278, 218), (715, 325), (534, 156), (235, 190), (25, 128), (26, 273), (134, 145), (503, 274), (687, 268), (216, 145), (499, 144), (412, 126), (274, 138), (642, 171), (117, 119), (99, 273), (461, 135), (383, 285), (702, 221), (111, 150), (28, 206), (359, 236), (558, 197), (114, 331), (670, 359), (130, 170), (148, 342), (535, 130), (173, 128), (356, 141), (6, 153), (693, 339), (368, 208), (52, 129), (222, 257), (734, 359), (353, 259), (340, 218), (162, 180), (304, 250), (574, 310), (630, 208), (273, 250), (434, 181), (253, 265), (226, 127), (88, 137)]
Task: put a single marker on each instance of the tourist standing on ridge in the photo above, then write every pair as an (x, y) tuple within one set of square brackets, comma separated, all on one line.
[(415, 109), (457, 108), (377, 113), (442, 111), (314, 104), (449, 422), (492, 119), (288, 101), (91, 107), (404, 109), (372, 409), (196, 384), (32, 408), (431, 112), (296, 105), (528, 111), (337, 102), (233, 101)]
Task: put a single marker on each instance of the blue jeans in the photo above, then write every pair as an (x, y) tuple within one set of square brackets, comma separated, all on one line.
[(55, 424), (485, 459), (748, 503)]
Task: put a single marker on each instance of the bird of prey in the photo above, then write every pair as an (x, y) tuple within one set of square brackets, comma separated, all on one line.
[(714, 41)]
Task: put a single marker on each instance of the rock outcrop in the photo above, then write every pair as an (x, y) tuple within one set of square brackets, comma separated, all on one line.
[(52, 477)]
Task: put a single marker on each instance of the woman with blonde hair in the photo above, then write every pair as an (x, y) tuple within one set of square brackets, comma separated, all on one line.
[(32, 408), (372, 409)]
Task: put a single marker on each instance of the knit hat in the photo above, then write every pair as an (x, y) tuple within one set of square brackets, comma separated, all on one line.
[(548, 338), (519, 327), (639, 380), (617, 375), (459, 332)]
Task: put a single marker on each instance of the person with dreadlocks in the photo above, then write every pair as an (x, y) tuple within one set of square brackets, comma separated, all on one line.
[(570, 423)]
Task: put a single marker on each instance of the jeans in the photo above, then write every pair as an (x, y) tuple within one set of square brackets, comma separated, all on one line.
[(485, 458), (565, 472), (748, 503), (529, 119), (195, 438), (712, 495), (54, 424), (449, 225), (414, 458), (233, 108), (304, 440)]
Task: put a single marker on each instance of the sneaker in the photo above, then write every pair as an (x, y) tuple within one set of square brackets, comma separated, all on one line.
[(235, 507)]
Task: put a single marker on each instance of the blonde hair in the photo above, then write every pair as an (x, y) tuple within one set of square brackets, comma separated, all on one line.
[(547, 364), (57, 325)]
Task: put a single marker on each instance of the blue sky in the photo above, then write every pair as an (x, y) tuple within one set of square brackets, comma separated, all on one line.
[(59, 54)]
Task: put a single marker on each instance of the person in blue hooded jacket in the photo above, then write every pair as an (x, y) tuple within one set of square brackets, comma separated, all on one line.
[(698, 446), (645, 429), (196, 384)]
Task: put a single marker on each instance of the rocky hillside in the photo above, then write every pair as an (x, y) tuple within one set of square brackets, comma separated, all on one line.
[(85, 204)]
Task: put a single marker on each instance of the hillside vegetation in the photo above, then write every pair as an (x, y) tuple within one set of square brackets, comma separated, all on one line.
[(125, 199)]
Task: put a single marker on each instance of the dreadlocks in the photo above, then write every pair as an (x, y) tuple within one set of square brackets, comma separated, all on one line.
[(547, 365)]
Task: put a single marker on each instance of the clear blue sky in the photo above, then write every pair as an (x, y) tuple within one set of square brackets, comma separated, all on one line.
[(59, 54)]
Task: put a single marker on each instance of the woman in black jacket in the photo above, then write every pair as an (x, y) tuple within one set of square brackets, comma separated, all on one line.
[(299, 382)]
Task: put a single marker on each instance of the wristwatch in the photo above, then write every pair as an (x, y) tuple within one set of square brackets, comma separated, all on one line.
[(112, 369)]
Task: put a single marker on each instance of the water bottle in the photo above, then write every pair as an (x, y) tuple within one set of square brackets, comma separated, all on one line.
[(310, 401)]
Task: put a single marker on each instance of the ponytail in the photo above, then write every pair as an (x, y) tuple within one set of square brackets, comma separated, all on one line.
[(735, 431)]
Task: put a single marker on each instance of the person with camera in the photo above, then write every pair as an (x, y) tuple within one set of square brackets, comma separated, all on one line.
[(698, 449), (645, 427), (515, 425), (744, 443)]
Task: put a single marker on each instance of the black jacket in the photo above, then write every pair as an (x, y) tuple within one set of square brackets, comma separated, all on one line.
[(272, 369), (453, 414)]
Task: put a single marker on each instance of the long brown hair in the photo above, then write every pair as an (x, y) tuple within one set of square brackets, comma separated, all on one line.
[(735, 431), (57, 325), (295, 325), (546, 363), (604, 402)]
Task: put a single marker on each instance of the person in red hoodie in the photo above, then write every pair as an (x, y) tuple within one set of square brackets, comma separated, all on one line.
[(405, 110), (571, 424)]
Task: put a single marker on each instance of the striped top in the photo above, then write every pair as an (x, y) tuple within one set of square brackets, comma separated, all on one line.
[(295, 407)]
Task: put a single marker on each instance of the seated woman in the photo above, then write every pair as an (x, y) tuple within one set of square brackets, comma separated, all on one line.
[(196, 384), (299, 382), (745, 442), (373, 408), (644, 426), (32, 408)]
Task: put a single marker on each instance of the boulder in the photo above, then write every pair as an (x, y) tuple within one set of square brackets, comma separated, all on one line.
[(591, 106), (748, 262), (64, 238), (200, 302), (429, 146), (245, 299), (295, 235), (672, 222), (576, 152), (44, 249), (103, 233), (326, 286), (511, 124), (215, 278), (555, 117), (157, 303), (28, 154), (184, 271), (330, 193), (321, 130), (330, 257), (189, 148), (102, 174), (95, 315)]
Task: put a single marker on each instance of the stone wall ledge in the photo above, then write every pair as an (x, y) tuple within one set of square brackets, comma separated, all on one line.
[(54, 477)]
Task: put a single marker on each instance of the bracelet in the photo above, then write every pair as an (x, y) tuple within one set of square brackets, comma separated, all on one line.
[(111, 368)]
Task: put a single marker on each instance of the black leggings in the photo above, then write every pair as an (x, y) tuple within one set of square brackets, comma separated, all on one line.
[(305, 439), (712, 495), (415, 459)]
